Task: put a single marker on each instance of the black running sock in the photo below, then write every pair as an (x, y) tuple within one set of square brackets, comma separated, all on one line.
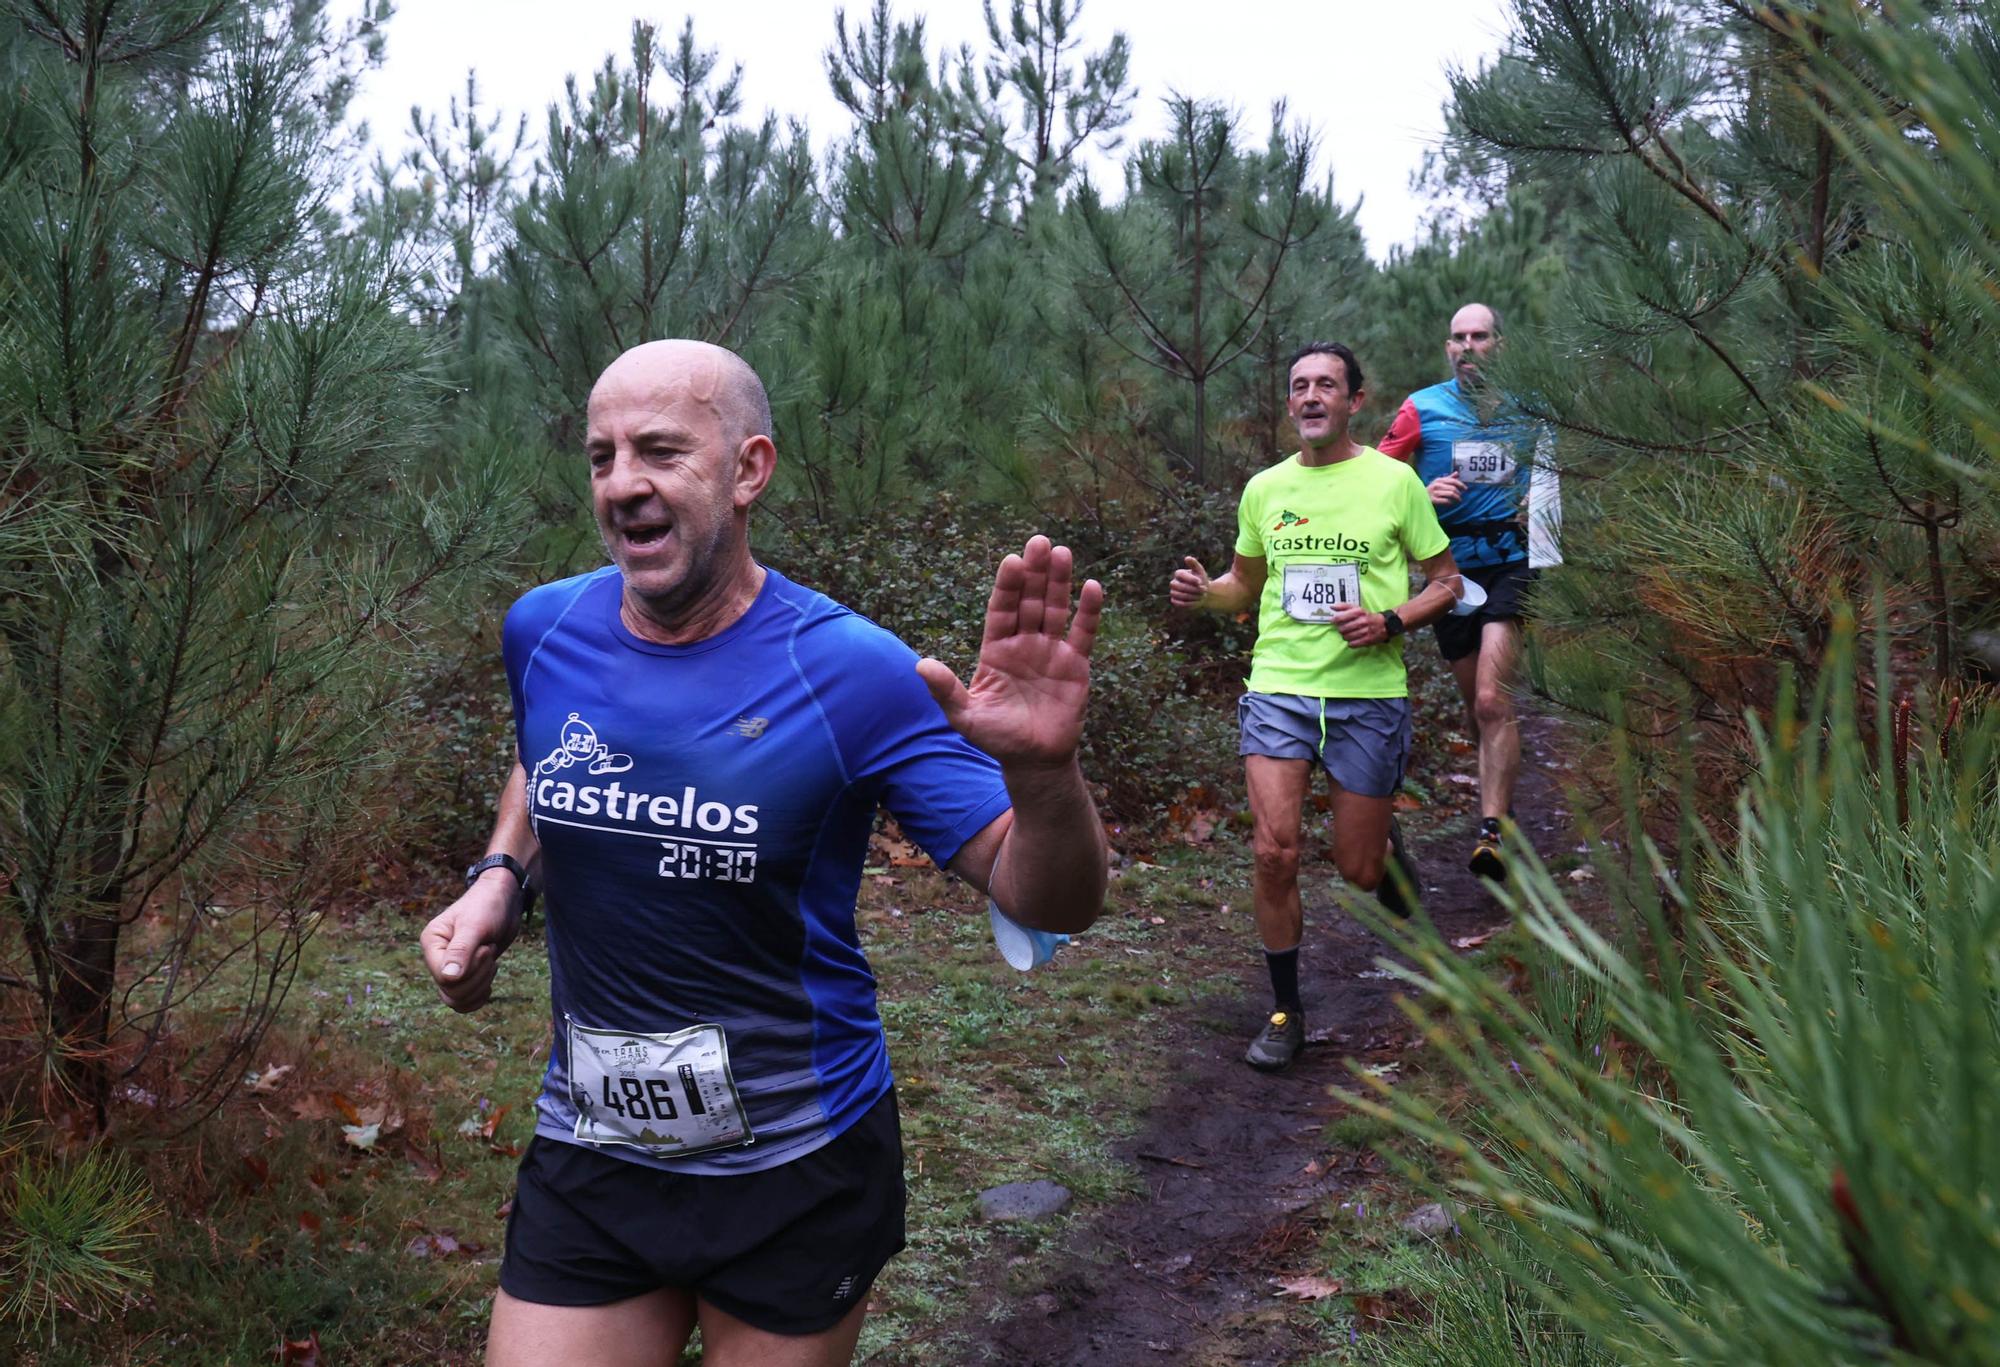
[(1284, 966), (1390, 894), (1490, 827)]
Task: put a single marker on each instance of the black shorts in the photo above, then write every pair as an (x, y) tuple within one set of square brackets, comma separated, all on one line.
[(1508, 588), (789, 1250)]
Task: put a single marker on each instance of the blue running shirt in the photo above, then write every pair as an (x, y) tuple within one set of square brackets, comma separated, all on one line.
[(1506, 461), (703, 812)]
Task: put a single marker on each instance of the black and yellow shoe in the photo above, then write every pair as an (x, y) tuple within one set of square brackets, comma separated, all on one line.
[(1489, 860), (1278, 1043)]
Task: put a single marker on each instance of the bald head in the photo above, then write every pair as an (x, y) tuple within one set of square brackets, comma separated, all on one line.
[(1475, 332), (1477, 318), (712, 376)]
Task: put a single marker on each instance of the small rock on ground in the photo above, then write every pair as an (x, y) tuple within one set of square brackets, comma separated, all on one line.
[(1024, 1201), (1432, 1221)]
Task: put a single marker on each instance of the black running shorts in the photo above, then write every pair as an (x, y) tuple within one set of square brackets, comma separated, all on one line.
[(790, 1250), (1508, 588)]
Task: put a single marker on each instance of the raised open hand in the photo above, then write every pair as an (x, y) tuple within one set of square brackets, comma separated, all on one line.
[(1025, 704)]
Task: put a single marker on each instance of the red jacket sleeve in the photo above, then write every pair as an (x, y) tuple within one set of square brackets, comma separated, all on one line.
[(1404, 434)]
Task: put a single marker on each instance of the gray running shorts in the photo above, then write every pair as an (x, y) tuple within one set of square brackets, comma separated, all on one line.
[(1363, 742)]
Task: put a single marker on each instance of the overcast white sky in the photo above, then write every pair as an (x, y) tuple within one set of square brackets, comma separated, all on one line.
[(1368, 76)]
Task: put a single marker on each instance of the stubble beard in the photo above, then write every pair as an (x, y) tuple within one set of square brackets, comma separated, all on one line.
[(1335, 437), (682, 599)]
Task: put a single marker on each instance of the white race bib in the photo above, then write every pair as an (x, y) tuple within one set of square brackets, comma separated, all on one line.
[(667, 1095), (1312, 592), (1482, 462)]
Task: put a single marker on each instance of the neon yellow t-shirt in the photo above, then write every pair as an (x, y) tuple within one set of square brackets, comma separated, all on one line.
[(1330, 534)]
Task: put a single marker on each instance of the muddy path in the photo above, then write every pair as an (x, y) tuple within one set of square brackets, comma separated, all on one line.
[(1236, 1165)]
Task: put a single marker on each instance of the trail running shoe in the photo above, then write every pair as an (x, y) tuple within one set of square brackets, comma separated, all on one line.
[(1278, 1043), (1390, 894), (1488, 860)]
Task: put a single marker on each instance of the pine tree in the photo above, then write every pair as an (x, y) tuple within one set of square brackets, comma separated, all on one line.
[(649, 216), (901, 177), (1745, 321), (1748, 1120), (228, 538), (1183, 274), (1061, 107)]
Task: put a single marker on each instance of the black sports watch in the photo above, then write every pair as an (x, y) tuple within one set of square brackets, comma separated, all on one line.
[(1391, 623), (498, 861)]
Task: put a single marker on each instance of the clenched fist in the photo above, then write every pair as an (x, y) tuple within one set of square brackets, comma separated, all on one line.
[(1189, 585)]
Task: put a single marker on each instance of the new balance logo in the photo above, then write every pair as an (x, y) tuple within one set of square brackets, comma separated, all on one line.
[(751, 727), (845, 1289)]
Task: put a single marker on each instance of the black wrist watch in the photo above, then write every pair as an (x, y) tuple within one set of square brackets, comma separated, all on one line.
[(498, 861), (1392, 624)]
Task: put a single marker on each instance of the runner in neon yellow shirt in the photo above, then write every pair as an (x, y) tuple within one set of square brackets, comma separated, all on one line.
[(1324, 545)]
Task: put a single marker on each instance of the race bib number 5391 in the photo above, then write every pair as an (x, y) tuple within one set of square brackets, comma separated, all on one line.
[(667, 1095), (1482, 462)]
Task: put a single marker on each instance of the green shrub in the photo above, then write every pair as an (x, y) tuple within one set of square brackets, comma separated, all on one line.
[(1157, 726), (70, 1231), (1758, 1123)]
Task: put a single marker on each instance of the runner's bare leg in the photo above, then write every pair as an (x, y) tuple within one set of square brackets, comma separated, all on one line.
[(1277, 796), (1492, 704), (728, 1342), (1360, 838), (644, 1331)]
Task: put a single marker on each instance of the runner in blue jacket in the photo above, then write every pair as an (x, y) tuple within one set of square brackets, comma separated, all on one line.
[(1490, 472)]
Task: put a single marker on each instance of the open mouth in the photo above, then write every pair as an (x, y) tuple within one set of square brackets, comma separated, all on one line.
[(645, 538)]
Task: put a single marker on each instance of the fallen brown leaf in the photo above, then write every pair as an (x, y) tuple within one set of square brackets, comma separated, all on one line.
[(1374, 1312), (314, 1106), (440, 1245), (299, 1352), (1306, 1288), (273, 1075), (428, 1168), (1475, 941)]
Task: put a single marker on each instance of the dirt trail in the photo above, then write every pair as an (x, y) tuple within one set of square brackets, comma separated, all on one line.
[(1184, 1274)]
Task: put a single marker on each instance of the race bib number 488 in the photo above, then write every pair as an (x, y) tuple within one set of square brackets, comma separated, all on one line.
[(1312, 592), (667, 1095)]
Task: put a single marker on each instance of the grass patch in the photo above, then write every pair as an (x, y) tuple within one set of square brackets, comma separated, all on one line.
[(278, 1226)]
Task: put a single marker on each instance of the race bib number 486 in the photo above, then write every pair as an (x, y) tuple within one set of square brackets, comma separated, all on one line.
[(1312, 592), (667, 1095)]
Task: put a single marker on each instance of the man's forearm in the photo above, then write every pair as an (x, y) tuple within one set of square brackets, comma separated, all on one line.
[(1052, 866), (1433, 601), (513, 833), (1227, 594)]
